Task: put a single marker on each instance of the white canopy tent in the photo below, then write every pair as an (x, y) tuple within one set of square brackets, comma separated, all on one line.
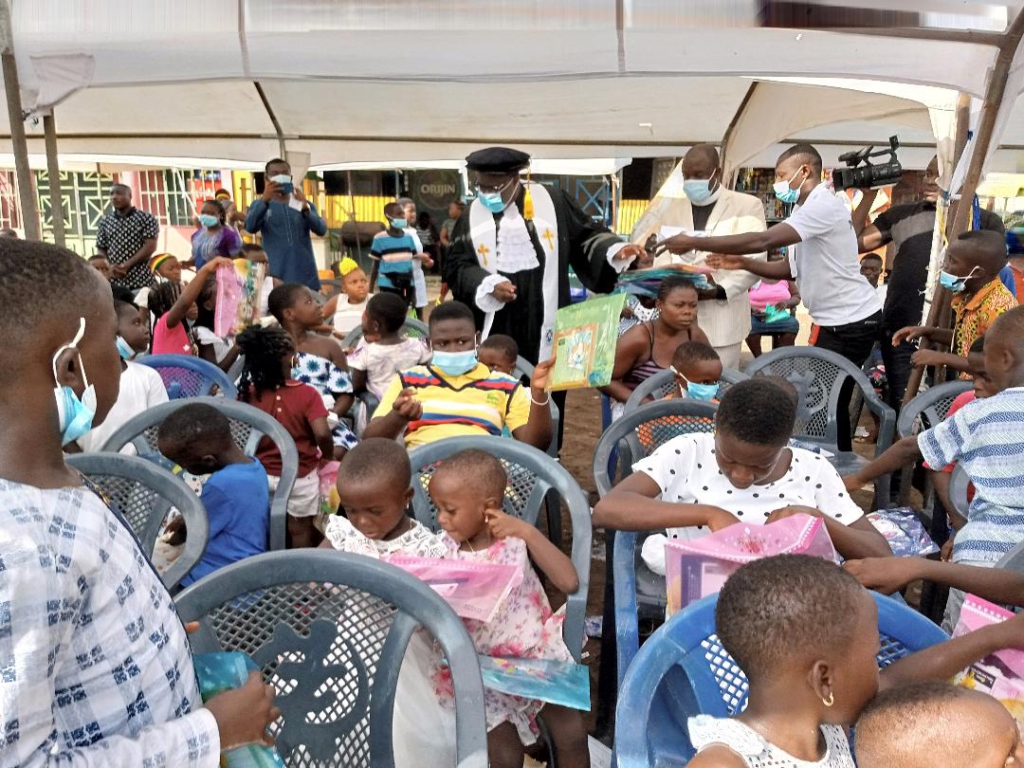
[(419, 80)]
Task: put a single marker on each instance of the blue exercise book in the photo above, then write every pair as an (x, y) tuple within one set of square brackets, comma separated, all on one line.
[(555, 682), (225, 671)]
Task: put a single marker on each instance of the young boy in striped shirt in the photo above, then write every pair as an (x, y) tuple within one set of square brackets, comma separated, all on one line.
[(986, 438), (393, 251)]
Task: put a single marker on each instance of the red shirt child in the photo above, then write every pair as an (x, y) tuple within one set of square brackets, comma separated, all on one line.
[(296, 406)]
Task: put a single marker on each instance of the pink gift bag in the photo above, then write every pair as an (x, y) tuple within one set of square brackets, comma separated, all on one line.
[(1001, 674), (699, 567), (473, 590)]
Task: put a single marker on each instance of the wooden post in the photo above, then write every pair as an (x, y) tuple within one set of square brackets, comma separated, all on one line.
[(12, 89), (989, 111), (53, 171)]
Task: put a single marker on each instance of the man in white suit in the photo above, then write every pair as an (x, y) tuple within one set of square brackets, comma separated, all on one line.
[(710, 208)]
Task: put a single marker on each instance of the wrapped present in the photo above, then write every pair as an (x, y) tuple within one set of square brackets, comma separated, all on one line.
[(1001, 674), (699, 567), (904, 532), (556, 682), (473, 590), (225, 671)]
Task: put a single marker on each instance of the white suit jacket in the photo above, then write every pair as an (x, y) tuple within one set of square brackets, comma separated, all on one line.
[(725, 322)]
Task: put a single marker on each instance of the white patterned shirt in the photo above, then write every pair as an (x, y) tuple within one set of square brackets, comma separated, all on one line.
[(95, 666), (987, 438)]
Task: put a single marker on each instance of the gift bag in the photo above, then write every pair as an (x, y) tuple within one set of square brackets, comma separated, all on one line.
[(219, 672), (556, 682), (238, 297), (1001, 675), (473, 590), (904, 532), (699, 567), (584, 343)]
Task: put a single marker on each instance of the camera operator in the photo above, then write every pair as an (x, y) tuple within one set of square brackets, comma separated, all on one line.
[(909, 228), (822, 259)]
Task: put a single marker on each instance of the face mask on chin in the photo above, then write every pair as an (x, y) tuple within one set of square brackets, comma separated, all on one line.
[(74, 415)]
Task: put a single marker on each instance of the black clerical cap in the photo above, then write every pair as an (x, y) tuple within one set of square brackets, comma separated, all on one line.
[(497, 160)]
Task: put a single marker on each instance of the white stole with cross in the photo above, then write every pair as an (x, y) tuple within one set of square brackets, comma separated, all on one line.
[(484, 234)]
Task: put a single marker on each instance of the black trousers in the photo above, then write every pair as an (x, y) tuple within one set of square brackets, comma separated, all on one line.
[(897, 366), (853, 341)]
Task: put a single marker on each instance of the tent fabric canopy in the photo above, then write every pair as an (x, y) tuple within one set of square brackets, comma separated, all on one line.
[(429, 79)]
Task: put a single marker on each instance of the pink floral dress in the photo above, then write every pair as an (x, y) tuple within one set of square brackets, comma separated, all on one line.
[(524, 627)]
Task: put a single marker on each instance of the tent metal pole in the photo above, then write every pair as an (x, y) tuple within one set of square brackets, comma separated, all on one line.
[(989, 111), (53, 172), (12, 89)]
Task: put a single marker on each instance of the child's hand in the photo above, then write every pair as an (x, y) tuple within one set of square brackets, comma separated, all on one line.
[(244, 714), (539, 380), (720, 518), (884, 574), (926, 357), (796, 509), (214, 264), (426, 261), (910, 333), (502, 526), (407, 406)]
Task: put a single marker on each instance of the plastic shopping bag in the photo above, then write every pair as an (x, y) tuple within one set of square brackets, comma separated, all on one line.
[(473, 590)]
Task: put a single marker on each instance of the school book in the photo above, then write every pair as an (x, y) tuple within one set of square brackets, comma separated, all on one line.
[(555, 682), (473, 590), (584, 343), (1001, 674), (238, 297), (697, 568), (225, 671)]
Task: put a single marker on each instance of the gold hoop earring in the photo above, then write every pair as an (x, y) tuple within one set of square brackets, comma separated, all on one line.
[(828, 702)]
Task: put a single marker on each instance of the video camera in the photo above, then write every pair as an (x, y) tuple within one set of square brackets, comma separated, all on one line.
[(869, 176)]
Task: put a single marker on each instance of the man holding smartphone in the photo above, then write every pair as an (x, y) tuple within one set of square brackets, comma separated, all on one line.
[(285, 218)]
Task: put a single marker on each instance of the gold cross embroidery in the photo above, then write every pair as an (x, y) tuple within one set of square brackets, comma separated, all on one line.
[(549, 238), (482, 250)]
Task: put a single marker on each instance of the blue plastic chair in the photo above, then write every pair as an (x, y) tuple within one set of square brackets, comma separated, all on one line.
[(144, 493), (682, 670), (663, 383), (634, 436), (330, 631), (818, 376), (187, 377), (248, 426), (532, 476)]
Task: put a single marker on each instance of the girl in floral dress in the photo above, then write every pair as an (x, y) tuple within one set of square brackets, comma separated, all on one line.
[(320, 361), (467, 489)]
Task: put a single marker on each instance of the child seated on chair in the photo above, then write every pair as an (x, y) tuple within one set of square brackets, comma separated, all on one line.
[(468, 489), (141, 387), (267, 384), (320, 361), (236, 497), (455, 394), (500, 353), (349, 306), (935, 723), (805, 633), (697, 369), (743, 473), (985, 437), (175, 311), (375, 364), (89, 631), (374, 486)]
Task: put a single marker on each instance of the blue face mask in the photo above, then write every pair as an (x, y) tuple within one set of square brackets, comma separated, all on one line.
[(785, 192), (74, 414), (492, 201), (953, 283), (208, 220), (694, 391), (124, 349), (455, 363), (287, 187), (399, 223), (698, 191)]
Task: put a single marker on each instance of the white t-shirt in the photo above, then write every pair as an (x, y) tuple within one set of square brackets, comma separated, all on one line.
[(349, 316), (221, 346), (141, 389), (687, 472), (824, 263), (383, 362)]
